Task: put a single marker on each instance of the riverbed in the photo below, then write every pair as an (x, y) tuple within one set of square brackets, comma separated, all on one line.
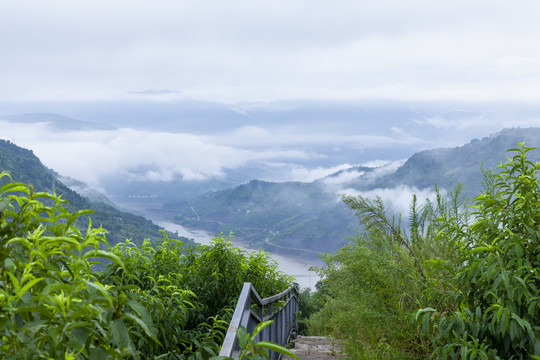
[(292, 265)]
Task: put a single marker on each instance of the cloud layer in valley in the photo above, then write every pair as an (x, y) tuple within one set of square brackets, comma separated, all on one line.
[(92, 155), (397, 200)]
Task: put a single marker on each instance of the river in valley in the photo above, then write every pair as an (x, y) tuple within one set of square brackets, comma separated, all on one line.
[(296, 266)]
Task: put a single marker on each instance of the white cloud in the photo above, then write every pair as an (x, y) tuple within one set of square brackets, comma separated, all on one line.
[(338, 184), (344, 177), (397, 200), (139, 155), (300, 173), (306, 135), (376, 163)]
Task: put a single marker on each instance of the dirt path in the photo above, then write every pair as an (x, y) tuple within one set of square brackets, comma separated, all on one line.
[(315, 348)]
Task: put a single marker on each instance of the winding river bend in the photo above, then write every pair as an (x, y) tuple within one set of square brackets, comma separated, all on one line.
[(291, 265)]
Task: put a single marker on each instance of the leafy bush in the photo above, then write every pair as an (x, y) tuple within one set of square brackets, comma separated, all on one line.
[(310, 302), (51, 304), (161, 300), (374, 283), (190, 291), (492, 305)]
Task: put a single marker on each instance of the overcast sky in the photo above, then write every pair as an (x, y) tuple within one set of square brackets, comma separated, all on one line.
[(268, 50)]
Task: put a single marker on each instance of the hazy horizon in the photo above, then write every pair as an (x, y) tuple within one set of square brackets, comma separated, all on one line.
[(191, 91)]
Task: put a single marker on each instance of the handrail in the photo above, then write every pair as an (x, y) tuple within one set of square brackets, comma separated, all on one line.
[(282, 308)]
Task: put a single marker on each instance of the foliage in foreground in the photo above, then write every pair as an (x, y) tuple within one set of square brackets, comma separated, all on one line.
[(52, 305), (190, 292), (374, 283), (158, 301), (475, 276), (492, 310), (249, 349)]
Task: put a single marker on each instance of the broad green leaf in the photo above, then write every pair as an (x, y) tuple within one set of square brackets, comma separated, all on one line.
[(98, 354), (260, 327), (4, 203), (242, 334), (150, 331), (120, 334), (35, 326), (80, 335)]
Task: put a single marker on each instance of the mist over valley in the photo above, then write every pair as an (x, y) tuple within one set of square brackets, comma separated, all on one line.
[(270, 173)]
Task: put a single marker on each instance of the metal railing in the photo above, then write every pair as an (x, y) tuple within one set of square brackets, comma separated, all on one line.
[(281, 308)]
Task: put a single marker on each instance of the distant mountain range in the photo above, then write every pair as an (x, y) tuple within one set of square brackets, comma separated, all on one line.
[(57, 121), (278, 216), (310, 216)]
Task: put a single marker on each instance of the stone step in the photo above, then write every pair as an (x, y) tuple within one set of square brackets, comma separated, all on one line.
[(315, 348)]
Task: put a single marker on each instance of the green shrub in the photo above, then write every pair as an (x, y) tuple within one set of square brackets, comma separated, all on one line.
[(51, 304), (160, 300), (374, 283), (190, 291), (491, 307)]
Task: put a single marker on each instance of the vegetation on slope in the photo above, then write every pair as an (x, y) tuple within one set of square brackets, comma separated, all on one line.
[(292, 214), (459, 285), (447, 166)]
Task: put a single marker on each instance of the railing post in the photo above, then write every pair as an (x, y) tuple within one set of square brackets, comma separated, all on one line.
[(278, 332)]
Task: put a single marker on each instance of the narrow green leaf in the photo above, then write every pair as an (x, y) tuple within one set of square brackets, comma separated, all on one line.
[(14, 281), (261, 352), (104, 254), (275, 347), (97, 286), (260, 327), (27, 286)]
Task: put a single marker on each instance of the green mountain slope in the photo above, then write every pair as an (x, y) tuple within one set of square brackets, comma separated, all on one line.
[(445, 167), (25, 167), (272, 216)]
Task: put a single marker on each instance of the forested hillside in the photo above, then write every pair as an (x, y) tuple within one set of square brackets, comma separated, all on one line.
[(25, 167), (445, 167), (292, 214)]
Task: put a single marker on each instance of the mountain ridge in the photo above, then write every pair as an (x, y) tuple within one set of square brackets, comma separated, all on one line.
[(265, 213)]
